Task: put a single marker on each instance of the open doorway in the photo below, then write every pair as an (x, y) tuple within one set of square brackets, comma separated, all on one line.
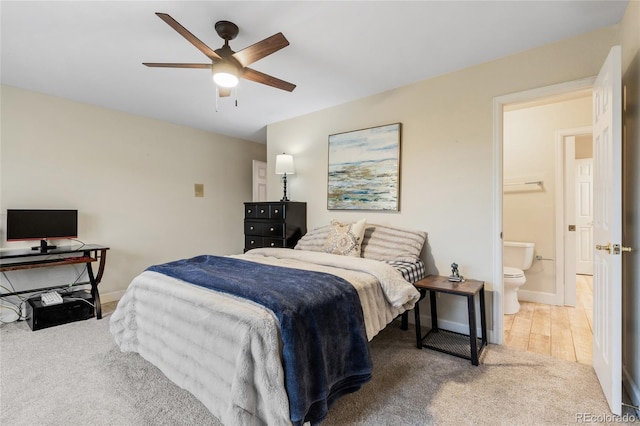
[(541, 198), (524, 178)]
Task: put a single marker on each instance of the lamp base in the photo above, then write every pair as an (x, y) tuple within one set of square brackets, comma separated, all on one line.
[(284, 197)]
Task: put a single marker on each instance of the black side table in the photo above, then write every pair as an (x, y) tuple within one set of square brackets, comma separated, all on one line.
[(460, 345)]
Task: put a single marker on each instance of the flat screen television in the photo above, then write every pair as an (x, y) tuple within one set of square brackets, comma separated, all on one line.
[(24, 225)]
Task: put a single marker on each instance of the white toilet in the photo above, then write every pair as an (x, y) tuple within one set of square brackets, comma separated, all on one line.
[(517, 258)]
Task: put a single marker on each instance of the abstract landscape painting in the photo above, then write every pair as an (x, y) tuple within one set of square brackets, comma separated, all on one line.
[(364, 169)]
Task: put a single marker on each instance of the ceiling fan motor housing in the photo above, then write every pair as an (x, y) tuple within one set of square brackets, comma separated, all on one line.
[(227, 30)]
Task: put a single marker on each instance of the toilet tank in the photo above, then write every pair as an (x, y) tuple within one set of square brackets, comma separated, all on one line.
[(518, 254)]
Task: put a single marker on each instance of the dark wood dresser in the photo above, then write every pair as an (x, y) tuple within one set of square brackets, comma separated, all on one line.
[(274, 224)]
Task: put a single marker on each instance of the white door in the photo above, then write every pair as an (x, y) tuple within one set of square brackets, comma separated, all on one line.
[(584, 216), (607, 229), (259, 180)]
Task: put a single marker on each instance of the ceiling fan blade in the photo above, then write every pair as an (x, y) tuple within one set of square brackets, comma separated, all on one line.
[(263, 48), (164, 65), (190, 37), (259, 77)]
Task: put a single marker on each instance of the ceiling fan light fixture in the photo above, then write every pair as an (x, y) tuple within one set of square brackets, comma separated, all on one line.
[(225, 74)]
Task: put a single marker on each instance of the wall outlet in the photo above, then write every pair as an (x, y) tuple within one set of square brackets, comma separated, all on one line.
[(198, 189)]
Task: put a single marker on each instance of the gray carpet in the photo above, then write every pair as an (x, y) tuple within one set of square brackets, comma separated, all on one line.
[(74, 374)]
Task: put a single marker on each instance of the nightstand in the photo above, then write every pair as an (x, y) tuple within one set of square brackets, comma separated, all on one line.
[(464, 346)]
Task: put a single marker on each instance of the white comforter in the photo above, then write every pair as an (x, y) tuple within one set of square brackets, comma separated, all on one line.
[(226, 350)]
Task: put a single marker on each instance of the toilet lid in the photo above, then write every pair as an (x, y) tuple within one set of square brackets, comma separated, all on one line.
[(510, 272)]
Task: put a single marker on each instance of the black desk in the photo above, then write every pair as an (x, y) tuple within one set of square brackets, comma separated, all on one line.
[(21, 259)]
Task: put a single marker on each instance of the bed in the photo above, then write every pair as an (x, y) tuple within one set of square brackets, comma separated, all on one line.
[(234, 352)]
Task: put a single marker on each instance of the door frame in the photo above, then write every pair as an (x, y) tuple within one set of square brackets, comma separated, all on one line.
[(498, 107), (565, 210)]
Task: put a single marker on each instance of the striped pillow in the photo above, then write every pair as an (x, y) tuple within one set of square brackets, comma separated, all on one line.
[(387, 243), (314, 240), (380, 242)]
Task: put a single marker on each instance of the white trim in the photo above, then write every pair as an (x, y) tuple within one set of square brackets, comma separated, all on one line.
[(631, 387), (498, 105), (538, 297), (564, 171), (498, 285), (113, 296)]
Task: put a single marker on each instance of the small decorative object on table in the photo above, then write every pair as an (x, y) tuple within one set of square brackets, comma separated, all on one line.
[(455, 274)]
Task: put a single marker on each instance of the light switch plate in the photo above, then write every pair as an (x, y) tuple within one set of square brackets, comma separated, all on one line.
[(198, 189)]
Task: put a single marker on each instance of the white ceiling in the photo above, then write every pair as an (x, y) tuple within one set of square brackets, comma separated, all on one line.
[(91, 51)]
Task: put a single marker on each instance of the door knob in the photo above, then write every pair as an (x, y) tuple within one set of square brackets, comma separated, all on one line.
[(617, 248)]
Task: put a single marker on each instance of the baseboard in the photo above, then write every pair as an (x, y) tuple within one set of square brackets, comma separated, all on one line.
[(537, 297), (631, 387), (114, 296), (425, 321)]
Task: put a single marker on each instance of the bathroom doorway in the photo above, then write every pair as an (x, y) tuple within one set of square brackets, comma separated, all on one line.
[(546, 141)]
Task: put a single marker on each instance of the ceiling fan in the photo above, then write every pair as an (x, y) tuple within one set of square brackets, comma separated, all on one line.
[(226, 65)]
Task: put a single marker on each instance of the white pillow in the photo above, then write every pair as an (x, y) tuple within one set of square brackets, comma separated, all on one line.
[(345, 238)]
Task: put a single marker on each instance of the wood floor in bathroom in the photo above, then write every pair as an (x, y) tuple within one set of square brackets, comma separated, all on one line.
[(559, 331)]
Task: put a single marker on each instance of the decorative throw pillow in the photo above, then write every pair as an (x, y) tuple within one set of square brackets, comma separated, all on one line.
[(345, 238), (387, 243)]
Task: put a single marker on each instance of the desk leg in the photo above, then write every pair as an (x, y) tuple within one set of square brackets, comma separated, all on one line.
[(434, 311), (472, 330), (94, 291)]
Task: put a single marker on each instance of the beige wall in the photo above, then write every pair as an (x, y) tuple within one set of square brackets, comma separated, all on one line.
[(529, 212), (447, 152), (131, 179), (630, 40)]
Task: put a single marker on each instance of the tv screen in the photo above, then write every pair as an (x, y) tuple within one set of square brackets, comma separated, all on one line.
[(41, 224)]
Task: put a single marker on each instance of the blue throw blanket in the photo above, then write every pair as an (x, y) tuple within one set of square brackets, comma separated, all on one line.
[(325, 348)]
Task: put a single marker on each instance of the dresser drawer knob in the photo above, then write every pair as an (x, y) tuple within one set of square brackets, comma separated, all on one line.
[(271, 229), (273, 244), (249, 211), (253, 242), (261, 210), (251, 227), (275, 211)]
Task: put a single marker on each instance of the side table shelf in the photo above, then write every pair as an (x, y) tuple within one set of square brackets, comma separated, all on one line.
[(461, 345)]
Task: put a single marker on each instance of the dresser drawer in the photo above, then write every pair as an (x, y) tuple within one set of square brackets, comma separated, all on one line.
[(253, 228), (273, 242), (262, 211), (276, 211), (251, 242), (250, 211), (265, 229), (273, 230)]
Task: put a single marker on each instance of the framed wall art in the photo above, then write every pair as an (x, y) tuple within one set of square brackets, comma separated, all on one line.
[(364, 169)]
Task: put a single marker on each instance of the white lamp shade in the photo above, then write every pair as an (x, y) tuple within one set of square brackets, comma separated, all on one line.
[(284, 165)]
